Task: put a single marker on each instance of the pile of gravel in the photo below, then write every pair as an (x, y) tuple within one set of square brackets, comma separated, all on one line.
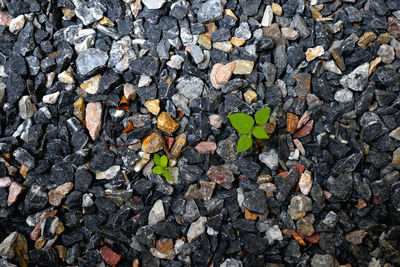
[(91, 90)]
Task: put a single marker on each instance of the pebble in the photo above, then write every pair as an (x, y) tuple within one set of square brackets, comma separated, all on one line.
[(232, 263), (86, 14), (270, 158), (343, 96), (290, 33), (220, 74), (357, 80), (164, 249), (109, 256), (356, 237), (386, 52), (366, 39), (16, 24), (157, 213), (14, 191), (274, 233), (153, 106), (175, 62), (305, 183), (79, 109), (313, 53), (250, 96), (277, 9), (7, 248), (395, 134), (153, 143), (196, 229), (206, 147), (153, 4), (93, 118), (166, 124), (267, 17), (129, 92), (221, 175), (26, 108), (51, 98), (305, 225), (299, 206), (224, 46), (91, 60), (144, 81), (243, 66), (209, 11), (66, 77), (215, 120), (59, 193)]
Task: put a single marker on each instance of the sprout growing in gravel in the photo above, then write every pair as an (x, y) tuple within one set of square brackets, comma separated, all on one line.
[(244, 124), (161, 166)]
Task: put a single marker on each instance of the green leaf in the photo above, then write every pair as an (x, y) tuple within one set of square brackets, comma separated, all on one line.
[(244, 143), (167, 175), (241, 122), (260, 133), (156, 159), (163, 161), (158, 170), (262, 116)]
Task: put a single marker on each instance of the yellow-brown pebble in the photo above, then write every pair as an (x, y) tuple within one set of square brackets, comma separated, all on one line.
[(153, 106), (366, 39), (166, 124), (250, 96), (243, 66)]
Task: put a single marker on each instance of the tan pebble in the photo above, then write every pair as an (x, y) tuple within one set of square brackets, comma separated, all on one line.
[(93, 119), (153, 106), (166, 124), (313, 53), (277, 9), (153, 143), (250, 96), (220, 74)]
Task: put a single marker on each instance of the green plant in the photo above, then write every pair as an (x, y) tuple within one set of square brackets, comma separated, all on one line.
[(161, 166), (244, 124)]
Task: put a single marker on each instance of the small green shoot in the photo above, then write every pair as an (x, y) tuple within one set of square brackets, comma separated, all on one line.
[(244, 124), (161, 167)]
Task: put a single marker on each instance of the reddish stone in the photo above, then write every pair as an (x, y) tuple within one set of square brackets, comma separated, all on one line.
[(394, 28), (356, 237), (5, 182), (13, 192), (304, 118), (5, 19), (169, 141), (36, 232), (109, 256), (327, 194), (206, 147), (313, 239), (283, 174), (300, 168), (377, 202), (361, 204), (305, 130), (221, 175)]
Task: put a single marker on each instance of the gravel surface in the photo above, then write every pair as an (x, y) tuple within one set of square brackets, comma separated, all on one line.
[(116, 148)]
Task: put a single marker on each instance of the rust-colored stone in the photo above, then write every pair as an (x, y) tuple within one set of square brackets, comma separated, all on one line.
[(166, 124), (291, 122), (305, 130), (153, 143), (109, 256)]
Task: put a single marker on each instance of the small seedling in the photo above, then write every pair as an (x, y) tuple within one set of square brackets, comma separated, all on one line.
[(161, 166), (244, 124)]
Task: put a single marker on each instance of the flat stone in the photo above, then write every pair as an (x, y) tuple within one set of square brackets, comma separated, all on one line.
[(225, 46), (343, 95), (290, 33), (190, 87), (196, 229), (166, 124), (356, 237), (91, 60), (386, 52), (220, 74), (256, 201), (157, 213), (88, 15), (395, 134), (7, 248), (26, 108)]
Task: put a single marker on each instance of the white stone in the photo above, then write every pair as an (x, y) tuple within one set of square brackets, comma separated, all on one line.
[(129, 91), (175, 62), (17, 24), (26, 108), (51, 98), (153, 4), (357, 80), (157, 213), (274, 233), (268, 16), (343, 95), (305, 182), (7, 250), (109, 173), (144, 80), (196, 229), (231, 263), (331, 66), (270, 158)]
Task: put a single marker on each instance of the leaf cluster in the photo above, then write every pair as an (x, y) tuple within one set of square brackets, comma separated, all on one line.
[(244, 124), (161, 167)]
